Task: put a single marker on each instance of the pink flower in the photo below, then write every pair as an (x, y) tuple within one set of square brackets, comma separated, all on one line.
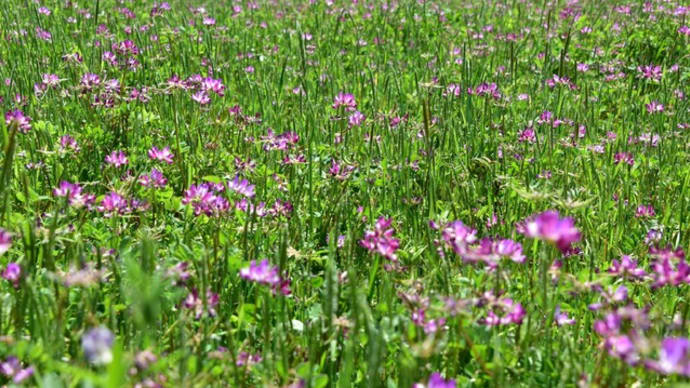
[(356, 119), (18, 119), (654, 107), (345, 100), (5, 241), (264, 273), (12, 273), (626, 267), (201, 97), (549, 226), (624, 157), (381, 240), (645, 211), (241, 186), (674, 357), (436, 381), (156, 179), (163, 155), (117, 159), (562, 318), (193, 302)]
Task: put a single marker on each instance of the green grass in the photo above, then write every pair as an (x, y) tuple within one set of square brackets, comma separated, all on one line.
[(423, 153)]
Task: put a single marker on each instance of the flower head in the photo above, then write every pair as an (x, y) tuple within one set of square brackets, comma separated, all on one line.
[(19, 119), (5, 241), (163, 155), (97, 344), (549, 226), (436, 381), (12, 273), (117, 158)]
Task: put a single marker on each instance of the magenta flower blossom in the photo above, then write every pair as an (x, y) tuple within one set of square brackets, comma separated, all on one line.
[(627, 268), (669, 267), (345, 100), (155, 179), (356, 119), (242, 187), (117, 159), (562, 318), (381, 240), (674, 357), (205, 198), (549, 226), (193, 302), (74, 195), (12, 369), (97, 344), (12, 273), (492, 251), (89, 81), (5, 241), (18, 119), (650, 72), (113, 203), (125, 48), (266, 274), (654, 107), (504, 311), (213, 85), (436, 381), (201, 97), (262, 273), (458, 237), (485, 90), (67, 142), (164, 155), (645, 211), (624, 157)]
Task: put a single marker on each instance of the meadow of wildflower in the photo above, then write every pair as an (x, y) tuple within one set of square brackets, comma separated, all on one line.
[(344, 193)]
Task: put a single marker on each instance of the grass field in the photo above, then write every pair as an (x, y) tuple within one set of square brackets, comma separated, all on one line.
[(332, 193)]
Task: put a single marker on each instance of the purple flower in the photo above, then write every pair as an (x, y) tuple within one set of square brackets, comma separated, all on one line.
[(669, 267), (381, 240), (626, 267), (549, 226), (5, 241), (213, 85), (97, 344), (356, 119), (19, 119), (117, 159), (163, 155), (645, 211), (345, 100), (436, 381), (155, 179), (73, 193), (264, 273), (624, 157), (562, 318), (193, 302), (68, 142), (113, 203), (12, 368), (201, 97), (654, 107), (458, 237), (241, 186), (12, 273), (673, 357), (205, 199)]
